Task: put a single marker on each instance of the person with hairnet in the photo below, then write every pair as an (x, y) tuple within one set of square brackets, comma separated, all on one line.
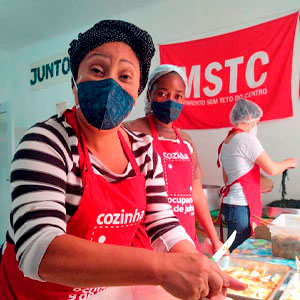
[(81, 184), (242, 156), (182, 172)]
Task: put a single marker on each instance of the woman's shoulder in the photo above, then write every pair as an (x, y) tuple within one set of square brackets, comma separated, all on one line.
[(247, 138), (53, 132), (185, 136), (55, 127), (139, 125), (136, 136), (142, 149), (237, 138)]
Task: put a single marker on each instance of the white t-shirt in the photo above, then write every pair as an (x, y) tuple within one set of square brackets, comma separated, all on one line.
[(238, 158)]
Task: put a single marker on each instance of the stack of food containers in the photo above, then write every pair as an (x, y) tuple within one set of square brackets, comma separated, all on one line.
[(285, 236)]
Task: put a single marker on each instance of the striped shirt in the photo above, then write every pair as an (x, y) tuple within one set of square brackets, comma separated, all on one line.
[(46, 190)]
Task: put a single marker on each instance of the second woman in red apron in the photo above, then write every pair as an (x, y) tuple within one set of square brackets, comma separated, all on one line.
[(242, 156), (165, 99)]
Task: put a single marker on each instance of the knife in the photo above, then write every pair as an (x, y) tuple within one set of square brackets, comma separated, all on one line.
[(220, 252)]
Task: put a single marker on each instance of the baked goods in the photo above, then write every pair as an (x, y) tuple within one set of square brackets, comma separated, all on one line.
[(260, 283)]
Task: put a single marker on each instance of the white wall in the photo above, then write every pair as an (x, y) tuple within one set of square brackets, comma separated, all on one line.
[(170, 21), (5, 140)]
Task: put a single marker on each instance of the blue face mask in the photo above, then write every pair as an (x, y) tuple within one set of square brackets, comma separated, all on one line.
[(167, 111), (104, 103)]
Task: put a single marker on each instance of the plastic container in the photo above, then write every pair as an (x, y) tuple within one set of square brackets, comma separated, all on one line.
[(285, 236)]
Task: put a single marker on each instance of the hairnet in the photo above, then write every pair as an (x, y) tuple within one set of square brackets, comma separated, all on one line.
[(107, 31), (159, 72), (245, 111)]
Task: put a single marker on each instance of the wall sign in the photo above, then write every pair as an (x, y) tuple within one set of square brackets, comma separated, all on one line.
[(253, 63), (50, 71)]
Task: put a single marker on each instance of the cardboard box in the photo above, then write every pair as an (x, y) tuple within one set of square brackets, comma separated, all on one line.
[(262, 232)]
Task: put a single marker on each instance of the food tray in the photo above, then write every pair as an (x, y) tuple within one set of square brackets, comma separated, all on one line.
[(272, 269), (291, 288)]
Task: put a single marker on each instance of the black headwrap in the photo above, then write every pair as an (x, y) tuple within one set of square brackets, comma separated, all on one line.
[(114, 31)]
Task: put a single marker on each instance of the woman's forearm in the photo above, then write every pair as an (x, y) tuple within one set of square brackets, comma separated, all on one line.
[(206, 223), (76, 262), (272, 168), (202, 211)]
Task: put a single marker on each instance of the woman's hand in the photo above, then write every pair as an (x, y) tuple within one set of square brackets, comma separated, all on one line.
[(217, 244), (291, 163), (194, 276)]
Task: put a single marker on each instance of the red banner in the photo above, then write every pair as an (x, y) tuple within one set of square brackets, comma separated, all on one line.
[(253, 63)]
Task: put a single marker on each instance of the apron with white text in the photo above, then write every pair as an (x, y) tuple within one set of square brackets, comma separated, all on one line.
[(108, 213), (178, 174)]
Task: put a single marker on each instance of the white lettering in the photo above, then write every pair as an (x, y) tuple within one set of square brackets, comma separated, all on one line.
[(120, 218), (128, 218), (233, 66), (217, 81), (116, 219), (189, 209), (99, 219), (194, 79), (180, 200), (108, 219), (175, 155), (212, 101), (250, 77)]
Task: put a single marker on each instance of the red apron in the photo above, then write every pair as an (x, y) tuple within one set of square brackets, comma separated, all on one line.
[(108, 213), (178, 174), (250, 183)]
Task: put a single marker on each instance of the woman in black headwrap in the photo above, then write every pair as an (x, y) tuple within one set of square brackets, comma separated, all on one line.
[(81, 178)]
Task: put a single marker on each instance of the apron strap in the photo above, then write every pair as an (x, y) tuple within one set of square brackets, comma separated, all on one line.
[(185, 148), (233, 130), (224, 192), (129, 154), (152, 128), (71, 119), (182, 142)]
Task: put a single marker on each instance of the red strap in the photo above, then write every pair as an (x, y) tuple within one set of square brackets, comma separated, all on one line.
[(233, 130), (129, 154), (224, 192), (152, 127)]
